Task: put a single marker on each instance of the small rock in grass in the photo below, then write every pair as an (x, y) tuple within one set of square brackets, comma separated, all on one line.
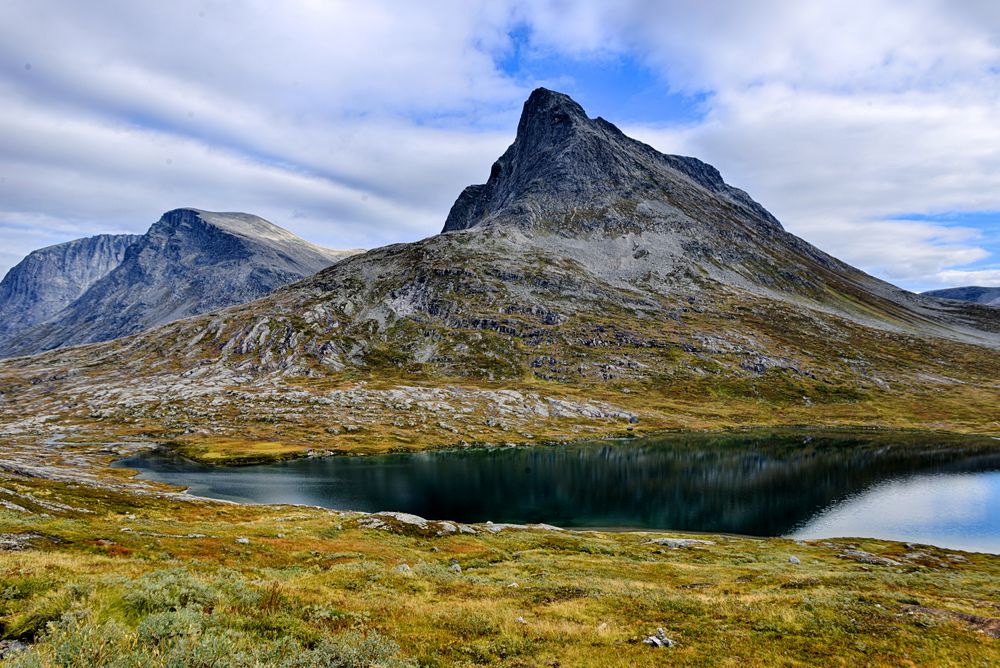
[(520, 620), (455, 568), (9, 648), (404, 569), (678, 543), (868, 558), (794, 560), (243, 541), (658, 640)]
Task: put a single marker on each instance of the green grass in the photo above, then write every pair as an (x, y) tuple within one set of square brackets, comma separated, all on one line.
[(150, 581)]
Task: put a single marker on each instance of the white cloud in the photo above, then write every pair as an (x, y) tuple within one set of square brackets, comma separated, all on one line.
[(833, 115), (982, 277), (356, 124), (319, 116)]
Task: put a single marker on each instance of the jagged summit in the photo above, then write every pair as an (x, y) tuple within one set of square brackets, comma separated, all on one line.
[(562, 161)]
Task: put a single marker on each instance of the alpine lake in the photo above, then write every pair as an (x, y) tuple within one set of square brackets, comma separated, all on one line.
[(923, 488)]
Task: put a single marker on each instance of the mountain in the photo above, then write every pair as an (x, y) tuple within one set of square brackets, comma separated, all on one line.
[(189, 262), (971, 293), (591, 286), (51, 278)]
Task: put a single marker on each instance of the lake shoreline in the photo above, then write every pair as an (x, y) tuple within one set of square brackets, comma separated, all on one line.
[(636, 484)]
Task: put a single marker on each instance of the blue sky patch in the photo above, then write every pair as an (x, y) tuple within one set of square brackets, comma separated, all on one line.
[(615, 86)]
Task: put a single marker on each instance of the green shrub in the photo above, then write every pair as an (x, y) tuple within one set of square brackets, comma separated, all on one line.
[(72, 643), (161, 626), (351, 650), (161, 591), (178, 639)]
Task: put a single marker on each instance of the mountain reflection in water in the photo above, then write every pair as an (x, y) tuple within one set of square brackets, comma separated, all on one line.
[(757, 484)]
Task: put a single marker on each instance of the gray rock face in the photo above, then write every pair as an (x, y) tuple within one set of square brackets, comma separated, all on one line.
[(561, 161), (51, 278), (971, 293), (578, 188), (189, 262)]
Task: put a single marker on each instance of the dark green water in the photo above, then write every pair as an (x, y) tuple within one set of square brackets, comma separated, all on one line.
[(939, 490)]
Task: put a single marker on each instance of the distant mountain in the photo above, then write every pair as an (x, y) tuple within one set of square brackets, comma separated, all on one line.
[(971, 293), (189, 262), (51, 278), (591, 283)]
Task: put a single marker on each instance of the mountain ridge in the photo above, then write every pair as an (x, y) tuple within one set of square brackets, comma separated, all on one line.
[(989, 296), (549, 310), (559, 149), (189, 262)]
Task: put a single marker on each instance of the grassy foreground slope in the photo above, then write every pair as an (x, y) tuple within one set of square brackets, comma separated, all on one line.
[(99, 577)]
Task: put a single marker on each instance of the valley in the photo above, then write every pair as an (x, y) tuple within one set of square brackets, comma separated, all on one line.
[(592, 288)]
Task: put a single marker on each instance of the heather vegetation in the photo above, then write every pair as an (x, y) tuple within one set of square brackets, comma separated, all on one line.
[(118, 579)]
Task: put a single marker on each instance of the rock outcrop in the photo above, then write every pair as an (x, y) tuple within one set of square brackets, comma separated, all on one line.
[(189, 262)]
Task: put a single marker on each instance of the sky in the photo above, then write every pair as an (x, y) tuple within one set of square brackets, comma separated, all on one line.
[(869, 128)]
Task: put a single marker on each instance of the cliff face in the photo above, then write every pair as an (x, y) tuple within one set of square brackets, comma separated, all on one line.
[(49, 279), (563, 162), (189, 262)]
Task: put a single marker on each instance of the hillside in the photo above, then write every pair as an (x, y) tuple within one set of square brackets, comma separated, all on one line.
[(591, 286)]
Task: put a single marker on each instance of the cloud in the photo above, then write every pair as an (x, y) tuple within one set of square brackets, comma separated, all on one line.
[(357, 124), (324, 117), (983, 277), (833, 115)]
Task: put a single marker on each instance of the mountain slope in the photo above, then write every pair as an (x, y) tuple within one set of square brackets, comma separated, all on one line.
[(972, 293), (189, 262), (591, 286), (51, 278)]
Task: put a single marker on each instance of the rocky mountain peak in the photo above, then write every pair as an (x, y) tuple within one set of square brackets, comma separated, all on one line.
[(549, 117), (189, 262), (563, 163)]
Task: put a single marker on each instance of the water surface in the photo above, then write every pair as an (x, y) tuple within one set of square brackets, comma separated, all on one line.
[(930, 489)]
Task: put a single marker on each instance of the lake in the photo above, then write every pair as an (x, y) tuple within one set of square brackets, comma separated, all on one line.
[(941, 490)]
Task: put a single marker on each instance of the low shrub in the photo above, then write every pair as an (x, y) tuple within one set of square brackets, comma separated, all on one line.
[(181, 639), (161, 591)]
